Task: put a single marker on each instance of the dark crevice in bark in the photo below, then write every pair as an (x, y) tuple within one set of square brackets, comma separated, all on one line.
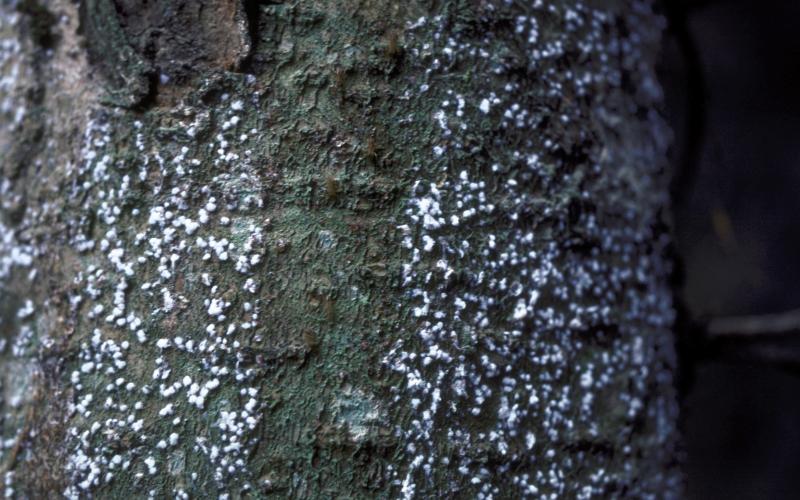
[(41, 22), (252, 12)]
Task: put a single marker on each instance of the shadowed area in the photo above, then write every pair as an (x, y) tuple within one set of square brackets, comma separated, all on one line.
[(737, 235)]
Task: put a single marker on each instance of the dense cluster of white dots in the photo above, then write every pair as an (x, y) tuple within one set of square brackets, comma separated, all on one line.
[(18, 251), (188, 226), (529, 308), (520, 334), (12, 69)]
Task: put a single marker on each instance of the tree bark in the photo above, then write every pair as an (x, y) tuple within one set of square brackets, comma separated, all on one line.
[(334, 249)]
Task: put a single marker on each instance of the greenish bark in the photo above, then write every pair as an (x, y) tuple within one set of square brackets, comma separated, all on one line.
[(334, 249)]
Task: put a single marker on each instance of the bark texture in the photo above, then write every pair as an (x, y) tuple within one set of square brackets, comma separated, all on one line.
[(334, 249)]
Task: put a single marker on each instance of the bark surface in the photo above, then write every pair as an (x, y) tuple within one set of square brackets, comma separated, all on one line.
[(334, 249)]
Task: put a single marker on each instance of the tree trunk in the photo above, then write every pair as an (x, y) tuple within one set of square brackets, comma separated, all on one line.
[(363, 249)]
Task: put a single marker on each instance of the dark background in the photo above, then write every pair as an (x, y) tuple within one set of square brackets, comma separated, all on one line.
[(731, 76)]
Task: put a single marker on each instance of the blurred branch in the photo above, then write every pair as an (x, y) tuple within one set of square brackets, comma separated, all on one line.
[(787, 323), (772, 339)]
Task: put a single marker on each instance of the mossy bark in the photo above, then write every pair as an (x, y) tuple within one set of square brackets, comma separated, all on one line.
[(334, 249)]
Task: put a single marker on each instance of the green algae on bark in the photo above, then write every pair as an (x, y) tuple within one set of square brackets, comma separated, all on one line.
[(338, 249)]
